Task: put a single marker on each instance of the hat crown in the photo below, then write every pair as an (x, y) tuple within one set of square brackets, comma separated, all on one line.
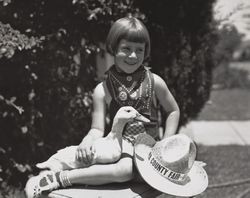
[(177, 153), (169, 165)]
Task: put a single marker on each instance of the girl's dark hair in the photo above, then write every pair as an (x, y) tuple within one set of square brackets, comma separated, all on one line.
[(130, 29)]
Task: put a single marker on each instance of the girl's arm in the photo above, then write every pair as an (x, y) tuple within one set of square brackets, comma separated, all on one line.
[(98, 113), (84, 151), (169, 104)]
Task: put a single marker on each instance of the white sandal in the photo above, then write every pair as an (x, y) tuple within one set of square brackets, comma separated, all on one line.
[(34, 187)]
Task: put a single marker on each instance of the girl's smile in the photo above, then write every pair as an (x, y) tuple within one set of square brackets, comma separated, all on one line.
[(129, 55)]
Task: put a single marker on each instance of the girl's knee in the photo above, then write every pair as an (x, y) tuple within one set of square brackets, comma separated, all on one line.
[(124, 170)]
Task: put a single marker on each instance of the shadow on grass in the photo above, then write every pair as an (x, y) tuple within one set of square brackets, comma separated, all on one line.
[(227, 167)]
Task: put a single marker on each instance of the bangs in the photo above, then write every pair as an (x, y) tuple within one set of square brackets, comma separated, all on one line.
[(134, 35)]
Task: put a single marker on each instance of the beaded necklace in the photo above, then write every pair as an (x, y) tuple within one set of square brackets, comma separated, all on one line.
[(134, 90), (129, 86)]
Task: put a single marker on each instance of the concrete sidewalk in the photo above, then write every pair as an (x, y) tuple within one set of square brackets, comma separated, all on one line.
[(214, 133)]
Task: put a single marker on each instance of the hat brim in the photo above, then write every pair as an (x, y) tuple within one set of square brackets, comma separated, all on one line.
[(196, 184)]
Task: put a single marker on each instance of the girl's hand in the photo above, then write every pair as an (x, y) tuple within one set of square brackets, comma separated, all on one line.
[(84, 152)]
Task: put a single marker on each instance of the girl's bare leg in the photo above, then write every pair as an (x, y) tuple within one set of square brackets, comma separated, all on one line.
[(98, 174), (102, 174)]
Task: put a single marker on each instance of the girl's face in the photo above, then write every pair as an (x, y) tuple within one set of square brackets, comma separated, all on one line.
[(129, 55)]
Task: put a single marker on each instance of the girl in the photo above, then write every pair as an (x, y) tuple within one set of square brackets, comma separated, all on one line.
[(129, 84)]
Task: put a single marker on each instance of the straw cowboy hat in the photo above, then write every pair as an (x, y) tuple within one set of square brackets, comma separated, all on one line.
[(169, 165)]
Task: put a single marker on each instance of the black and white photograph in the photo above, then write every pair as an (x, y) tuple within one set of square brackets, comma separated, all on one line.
[(124, 98)]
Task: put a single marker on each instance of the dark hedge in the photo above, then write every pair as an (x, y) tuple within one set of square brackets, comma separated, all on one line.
[(48, 68)]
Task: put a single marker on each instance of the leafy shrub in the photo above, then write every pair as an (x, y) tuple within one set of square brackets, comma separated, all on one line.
[(12, 40), (230, 41), (227, 78), (53, 80), (183, 39)]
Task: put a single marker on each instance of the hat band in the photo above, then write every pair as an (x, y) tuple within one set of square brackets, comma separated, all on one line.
[(163, 170)]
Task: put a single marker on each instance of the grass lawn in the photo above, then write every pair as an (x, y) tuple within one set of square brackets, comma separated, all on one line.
[(226, 164), (227, 104)]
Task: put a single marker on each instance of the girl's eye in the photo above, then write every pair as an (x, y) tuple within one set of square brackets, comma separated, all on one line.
[(126, 48), (140, 50)]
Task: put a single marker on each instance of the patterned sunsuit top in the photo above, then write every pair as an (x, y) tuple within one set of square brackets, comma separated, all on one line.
[(134, 90)]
